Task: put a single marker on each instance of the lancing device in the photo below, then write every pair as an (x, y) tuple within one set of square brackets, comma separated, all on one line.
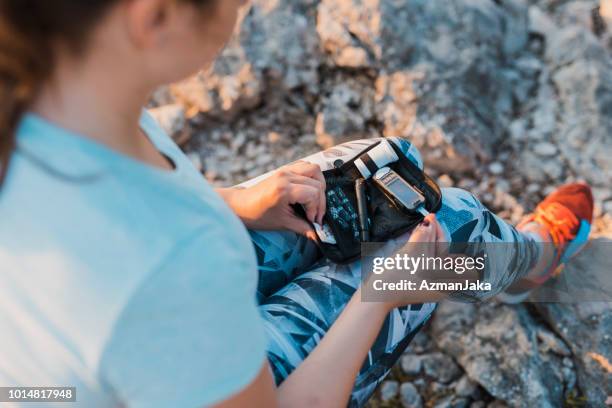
[(362, 210), (376, 158)]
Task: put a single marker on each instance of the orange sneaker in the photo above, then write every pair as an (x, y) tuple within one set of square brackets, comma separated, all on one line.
[(566, 215)]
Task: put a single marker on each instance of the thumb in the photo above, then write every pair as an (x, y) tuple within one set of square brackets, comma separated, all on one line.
[(424, 232), (299, 226)]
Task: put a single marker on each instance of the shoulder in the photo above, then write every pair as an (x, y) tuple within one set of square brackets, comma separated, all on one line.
[(155, 131)]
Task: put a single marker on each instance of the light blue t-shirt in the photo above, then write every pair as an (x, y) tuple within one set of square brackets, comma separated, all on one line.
[(133, 284)]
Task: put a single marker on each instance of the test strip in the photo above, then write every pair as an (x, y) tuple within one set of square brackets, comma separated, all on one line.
[(325, 234), (423, 211)]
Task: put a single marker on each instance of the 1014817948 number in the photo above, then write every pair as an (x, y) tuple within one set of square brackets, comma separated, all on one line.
[(37, 394)]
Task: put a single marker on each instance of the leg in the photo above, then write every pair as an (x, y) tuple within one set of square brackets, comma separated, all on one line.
[(299, 315), (511, 254), (282, 255)]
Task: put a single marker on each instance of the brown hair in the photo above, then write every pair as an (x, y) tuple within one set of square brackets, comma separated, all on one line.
[(29, 31)]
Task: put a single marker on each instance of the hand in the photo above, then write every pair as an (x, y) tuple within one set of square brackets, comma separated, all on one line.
[(429, 230), (267, 205), (426, 240)]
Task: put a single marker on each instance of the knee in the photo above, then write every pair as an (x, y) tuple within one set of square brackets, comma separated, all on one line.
[(409, 150), (459, 198), (460, 214)]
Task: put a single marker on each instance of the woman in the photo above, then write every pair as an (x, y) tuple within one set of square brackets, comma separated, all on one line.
[(126, 276)]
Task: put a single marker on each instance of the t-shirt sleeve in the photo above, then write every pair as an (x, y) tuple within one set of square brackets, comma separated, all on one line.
[(191, 335)]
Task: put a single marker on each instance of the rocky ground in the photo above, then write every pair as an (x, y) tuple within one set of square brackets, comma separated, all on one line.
[(505, 98)]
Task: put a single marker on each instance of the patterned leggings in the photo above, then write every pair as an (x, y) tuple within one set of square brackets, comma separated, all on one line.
[(301, 294)]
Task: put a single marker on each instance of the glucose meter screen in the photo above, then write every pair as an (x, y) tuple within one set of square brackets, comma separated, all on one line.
[(403, 193)]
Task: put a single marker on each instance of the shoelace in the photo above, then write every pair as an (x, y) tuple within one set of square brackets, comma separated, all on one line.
[(559, 221)]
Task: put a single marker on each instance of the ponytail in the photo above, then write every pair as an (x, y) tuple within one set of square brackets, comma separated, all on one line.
[(29, 32), (22, 70)]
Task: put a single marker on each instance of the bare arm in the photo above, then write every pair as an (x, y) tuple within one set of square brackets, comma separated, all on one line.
[(261, 393), (268, 204), (327, 375)]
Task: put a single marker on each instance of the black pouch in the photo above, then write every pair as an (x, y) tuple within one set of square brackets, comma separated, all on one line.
[(387, 220)]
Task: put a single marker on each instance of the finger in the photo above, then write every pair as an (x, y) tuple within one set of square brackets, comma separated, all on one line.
[(310, 196), (309, 170), (300, 226), (440, 237), (312, 171), (431, 217), (442, 246), (424, 232), (307, 196), (299, 179), (311, 235)]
